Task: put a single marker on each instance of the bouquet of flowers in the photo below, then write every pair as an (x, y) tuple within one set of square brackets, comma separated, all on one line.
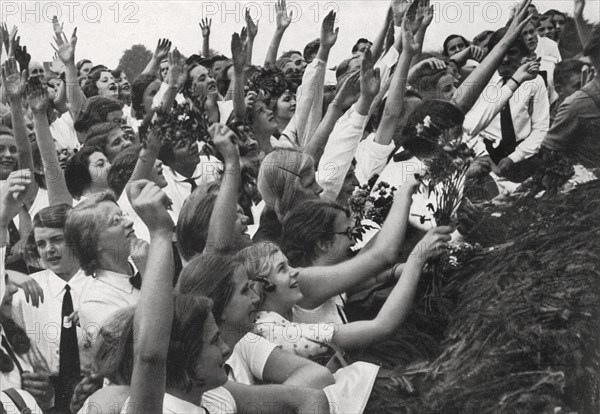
[(372, 202)]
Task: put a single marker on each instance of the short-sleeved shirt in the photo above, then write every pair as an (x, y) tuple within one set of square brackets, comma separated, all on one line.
[(576, 128), (248, 359)]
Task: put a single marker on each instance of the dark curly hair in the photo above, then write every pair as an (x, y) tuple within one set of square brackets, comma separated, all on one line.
[(77, 173), (121, 169), (269, 81), (138, 87)]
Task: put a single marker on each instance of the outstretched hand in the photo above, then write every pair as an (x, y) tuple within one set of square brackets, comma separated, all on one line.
[(37, 96), (162, 49), (225, 140), (205, 25), (14, 82), (283, 19), (519, 19), (329, 33), (399, 8), (65, 48), (12, 194), (252, 27), (239, 51), (409, 43), (370, 79), (348, 91), (151, 204)]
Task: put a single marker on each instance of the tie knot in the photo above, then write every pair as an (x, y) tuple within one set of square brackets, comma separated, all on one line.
[(67, 287)]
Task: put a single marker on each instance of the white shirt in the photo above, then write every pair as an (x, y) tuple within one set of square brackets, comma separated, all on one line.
[(103, 295), (371, 158), (43, 324), (248, 359), (530, 112), (215, 401), (339, 152), (548, 51), (178, 190), (63, 132), (331, 311)]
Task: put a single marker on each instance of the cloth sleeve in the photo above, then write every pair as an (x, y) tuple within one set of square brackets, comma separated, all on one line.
[(371, 158)]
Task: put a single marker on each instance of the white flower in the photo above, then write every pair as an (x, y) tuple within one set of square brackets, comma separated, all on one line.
[(427, 121)]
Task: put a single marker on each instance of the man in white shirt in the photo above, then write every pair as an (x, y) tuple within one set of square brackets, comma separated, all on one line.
[(548, 52), (515, 135)]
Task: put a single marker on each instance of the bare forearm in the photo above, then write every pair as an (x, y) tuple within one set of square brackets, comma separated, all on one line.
[(223, 217), (55, 179), (205, 46), (20, 132), (583, 30), (75, 95), (305, 377), (393, 231), (274, 48), (249, 49), (238, 95), (151, 67)]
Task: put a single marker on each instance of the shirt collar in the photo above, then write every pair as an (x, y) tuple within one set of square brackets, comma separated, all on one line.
[(116, 280), (180, 178)]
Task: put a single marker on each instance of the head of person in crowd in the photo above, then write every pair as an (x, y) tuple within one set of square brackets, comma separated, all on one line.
[(284, 108), (196, 355), (311, 49), (46, 241), (222, 278), (143, 90), (286, 178), (8, 152), (443, 118), (482, 40), (529, 36), (437, 84), (124, 85), (567, 77), (348, 186), (99, 234), (200, 82), (559, 19), (546, 27), (219, 65), (317, 233), (100, 81), (278, 286), (347, 67), (263, 122), (163, 69), (293, 65), (455, 43), (83, 67), (87, 172), (533, 11), (181, 155), (519, 50), (96, 110), (361, 45), (122, 166), (251, 155), (109, 137), (36, 70), (592, 49), (194, 221), (329, 92)]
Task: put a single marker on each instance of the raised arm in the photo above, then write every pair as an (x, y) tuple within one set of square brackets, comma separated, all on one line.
[(14, 84), (160, 53), (283, 20), (154, 312), (583, 30), (470, 90), (239, 54), (321, 283), (37, 96), (378, 44), (65, 49), (252, 32), (223, 217), (364, 333), (395, 101), (205, 25)]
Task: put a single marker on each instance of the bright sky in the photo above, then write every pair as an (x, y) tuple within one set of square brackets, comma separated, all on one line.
[(107, 28)]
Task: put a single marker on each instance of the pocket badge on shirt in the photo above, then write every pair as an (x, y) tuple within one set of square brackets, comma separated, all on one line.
[(67, 323)]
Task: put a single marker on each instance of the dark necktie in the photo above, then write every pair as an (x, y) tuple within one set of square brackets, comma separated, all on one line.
[(508, 143), (11, 354), (69, 369), (191, 182)]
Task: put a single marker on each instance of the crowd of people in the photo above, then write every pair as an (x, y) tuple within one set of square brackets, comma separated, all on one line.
[(182, 242)]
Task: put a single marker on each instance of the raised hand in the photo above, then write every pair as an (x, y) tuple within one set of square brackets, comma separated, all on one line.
[(433, 243), (224, 140), (150, 203), (329, 33), (4, 38), (282, 18), (399, 8), (205, 25), (527, 71), (162, 49), (409, 43), (252, 27), (13, 41), (427, 17), (37, 96), (370, 79), (65, 49), (176, 75), (34, 294), (519, 19), (22, 57), (348, 91), (239, 51), (14, 82)]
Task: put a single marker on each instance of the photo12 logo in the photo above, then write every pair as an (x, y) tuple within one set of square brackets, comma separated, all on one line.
[(69, 11)]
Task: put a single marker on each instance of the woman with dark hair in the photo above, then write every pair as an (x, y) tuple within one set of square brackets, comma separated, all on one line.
[(83, 67), (143, 90), (100, 81), (454, 44), (109, 137), (87, 172), (98, 109)]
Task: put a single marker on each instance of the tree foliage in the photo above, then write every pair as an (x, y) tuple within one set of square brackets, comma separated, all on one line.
[(134, 60)]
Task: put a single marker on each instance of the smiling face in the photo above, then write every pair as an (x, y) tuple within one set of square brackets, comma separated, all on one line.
[(455, 45), (85, 69), (530, 37), (54, 252), (164, 69), (285, 278), (157, 174), (209, 366), (447, 87), (107, 85), (202, 82), (149, 94), (240, 311), (36, 70), (264, 120), (116, 143), (511, 62), (124, 86), (98, 167), (185, 152), (116, 231), (8, 156), (559, 23)]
